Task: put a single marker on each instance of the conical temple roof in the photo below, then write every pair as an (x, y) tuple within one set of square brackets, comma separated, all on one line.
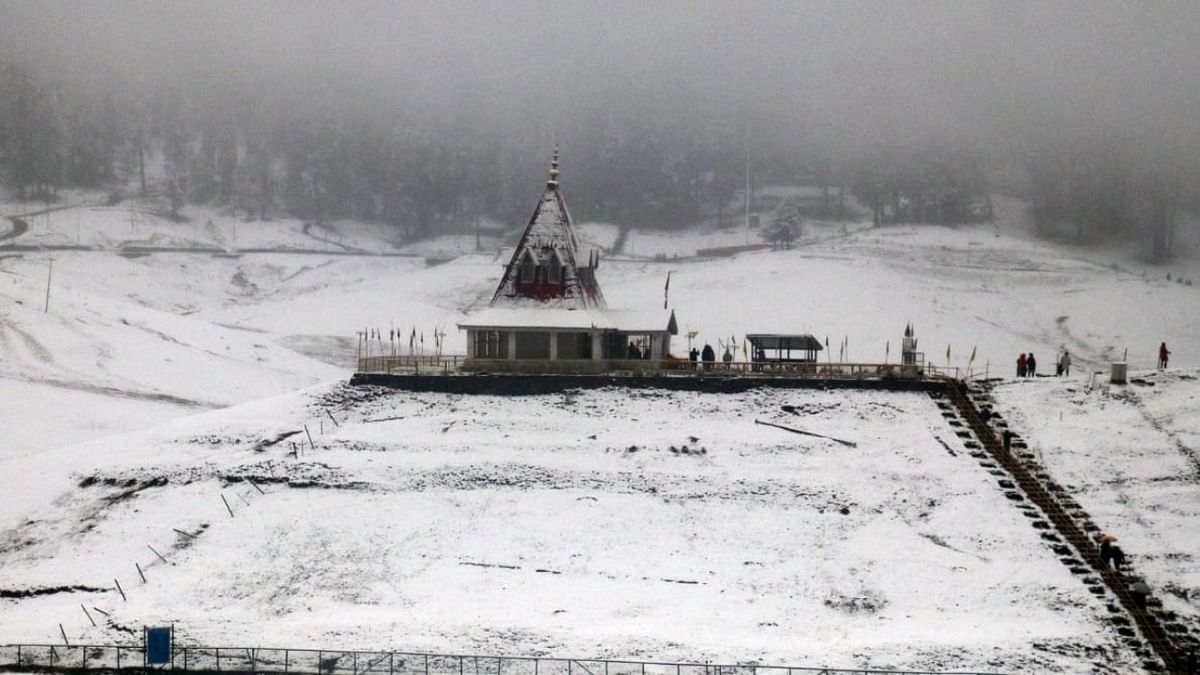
[(544, 269)]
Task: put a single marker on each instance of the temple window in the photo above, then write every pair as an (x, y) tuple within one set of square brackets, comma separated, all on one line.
[(528, 269)]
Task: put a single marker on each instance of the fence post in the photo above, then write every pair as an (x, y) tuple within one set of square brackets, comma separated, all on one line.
[(118, 657), (391, 662), (354, 663), (426, 664), (218, 652), (84, 658), (320, 660), (185, 657)]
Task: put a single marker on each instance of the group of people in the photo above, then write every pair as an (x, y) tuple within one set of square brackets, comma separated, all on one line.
[(708, 356), (1027, 365)]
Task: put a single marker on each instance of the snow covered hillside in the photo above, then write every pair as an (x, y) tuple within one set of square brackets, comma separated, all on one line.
[(632, 524), (578, 524), (1131, 456)]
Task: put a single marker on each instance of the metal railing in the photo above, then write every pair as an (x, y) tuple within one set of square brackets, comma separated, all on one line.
[(436, 364), (337, 662), (458, 364)]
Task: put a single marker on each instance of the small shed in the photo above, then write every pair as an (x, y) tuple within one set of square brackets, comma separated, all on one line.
[(770, 347)]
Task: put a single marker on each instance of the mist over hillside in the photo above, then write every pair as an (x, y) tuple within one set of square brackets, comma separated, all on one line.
[(430, 118)]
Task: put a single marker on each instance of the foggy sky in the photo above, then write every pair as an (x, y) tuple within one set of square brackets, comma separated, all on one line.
[(865, 71)]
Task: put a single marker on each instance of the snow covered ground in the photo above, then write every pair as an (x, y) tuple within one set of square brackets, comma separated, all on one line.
[(128, 375), (1131, 456), (608, 523)]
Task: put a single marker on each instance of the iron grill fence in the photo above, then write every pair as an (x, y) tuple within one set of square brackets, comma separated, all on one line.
[(458, 364), (336, 662)]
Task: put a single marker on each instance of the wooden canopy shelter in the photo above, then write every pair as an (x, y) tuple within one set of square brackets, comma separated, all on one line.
[(784, 348)]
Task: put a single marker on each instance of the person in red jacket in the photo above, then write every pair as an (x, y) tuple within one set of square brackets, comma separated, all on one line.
[(1163, 353), (1021, 366)]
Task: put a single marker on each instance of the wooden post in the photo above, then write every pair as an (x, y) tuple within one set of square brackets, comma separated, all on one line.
[(227, 505), (255, 486), (64, 635), (155, 552), (189, 535), (49, 275), (120, 590), (239, 496), (310, 440), (140, 573), (88, 614), (335, 422)]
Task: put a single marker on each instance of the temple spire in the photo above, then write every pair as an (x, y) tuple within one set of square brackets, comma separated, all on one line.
[(553, 182), (543, 268)]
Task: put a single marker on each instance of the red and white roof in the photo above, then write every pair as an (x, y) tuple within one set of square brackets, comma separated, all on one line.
[(545, 270)]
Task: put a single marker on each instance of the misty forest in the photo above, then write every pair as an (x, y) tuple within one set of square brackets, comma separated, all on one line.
[(436, 121)]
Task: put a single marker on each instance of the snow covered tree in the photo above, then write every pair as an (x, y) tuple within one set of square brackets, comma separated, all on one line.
[(786, 226)]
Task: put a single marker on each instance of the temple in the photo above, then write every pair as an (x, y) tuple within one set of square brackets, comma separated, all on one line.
[(548, 313)]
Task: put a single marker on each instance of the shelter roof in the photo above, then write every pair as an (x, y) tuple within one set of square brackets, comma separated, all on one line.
[(785, 342)]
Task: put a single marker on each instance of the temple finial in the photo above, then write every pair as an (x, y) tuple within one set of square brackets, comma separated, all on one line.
[(553, 182)]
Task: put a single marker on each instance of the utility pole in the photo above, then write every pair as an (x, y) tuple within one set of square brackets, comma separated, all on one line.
[(747, 183), (49, 276)]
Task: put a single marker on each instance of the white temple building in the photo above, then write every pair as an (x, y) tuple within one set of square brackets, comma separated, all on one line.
[(548, 313)]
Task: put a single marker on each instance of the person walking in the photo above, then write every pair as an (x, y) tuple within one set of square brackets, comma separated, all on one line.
[(1021, 363), (708, 356), (1163, 353), (1064, 363), (1118, 558), (1031, 366)]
